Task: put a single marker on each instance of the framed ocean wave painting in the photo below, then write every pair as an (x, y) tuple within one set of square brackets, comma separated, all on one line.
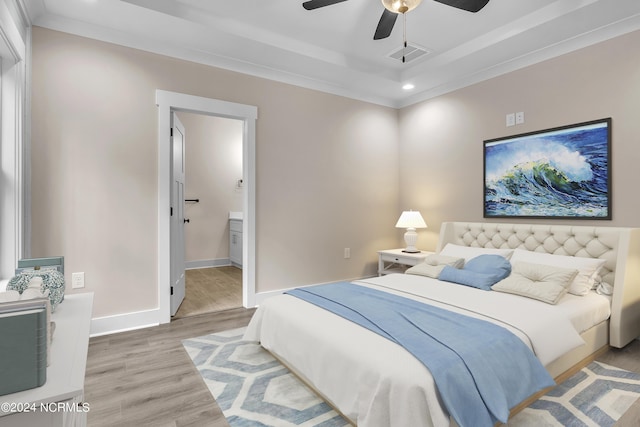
[(564, 172)]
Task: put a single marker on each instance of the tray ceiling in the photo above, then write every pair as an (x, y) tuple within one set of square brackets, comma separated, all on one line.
[(332, 48)]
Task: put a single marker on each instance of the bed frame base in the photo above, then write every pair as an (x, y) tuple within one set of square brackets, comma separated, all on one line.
[(595, 339)]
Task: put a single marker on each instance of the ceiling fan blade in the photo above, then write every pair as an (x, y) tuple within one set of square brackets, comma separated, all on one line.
[(387, 20), (468, 5), (315, 4)]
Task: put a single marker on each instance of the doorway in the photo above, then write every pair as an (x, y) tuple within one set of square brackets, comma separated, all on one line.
[(173, 101), (213, 209), (210, 289)]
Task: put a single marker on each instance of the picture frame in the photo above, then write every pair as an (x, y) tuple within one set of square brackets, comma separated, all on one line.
[(561, 172)]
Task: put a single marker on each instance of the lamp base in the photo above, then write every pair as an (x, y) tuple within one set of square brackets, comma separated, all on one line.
[(410, 238)]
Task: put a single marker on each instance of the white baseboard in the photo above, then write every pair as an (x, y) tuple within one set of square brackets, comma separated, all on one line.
[(144, 319), (207, 263), (124, 322)]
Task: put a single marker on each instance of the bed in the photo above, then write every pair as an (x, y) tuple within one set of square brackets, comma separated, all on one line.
[(375, 382)]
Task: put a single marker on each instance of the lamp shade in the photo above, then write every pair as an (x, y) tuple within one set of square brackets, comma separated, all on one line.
[(411, 219), (400, 6)]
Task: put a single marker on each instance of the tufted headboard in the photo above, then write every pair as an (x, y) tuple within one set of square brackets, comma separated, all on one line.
[(618, 246)]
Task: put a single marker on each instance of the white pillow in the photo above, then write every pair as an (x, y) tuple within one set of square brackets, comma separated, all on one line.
[(433, 265), (424, 269), (588, 268), (468, 252), (439, 259), (537, 281)]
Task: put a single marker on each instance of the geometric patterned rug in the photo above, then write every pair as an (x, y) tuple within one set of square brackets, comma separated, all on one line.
[(254, 389), (596, 396)]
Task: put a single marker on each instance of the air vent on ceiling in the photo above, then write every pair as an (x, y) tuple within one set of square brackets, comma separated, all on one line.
[(410, 53)]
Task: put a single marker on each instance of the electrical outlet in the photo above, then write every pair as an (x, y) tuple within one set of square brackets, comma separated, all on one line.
[(511, 119), (347, 252), (77, 280), (520, 118)]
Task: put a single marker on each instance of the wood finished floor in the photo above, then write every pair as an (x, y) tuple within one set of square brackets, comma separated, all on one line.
[(211, 289), (146, 378)]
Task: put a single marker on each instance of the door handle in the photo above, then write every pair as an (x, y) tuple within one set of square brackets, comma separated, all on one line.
[(186, 220)]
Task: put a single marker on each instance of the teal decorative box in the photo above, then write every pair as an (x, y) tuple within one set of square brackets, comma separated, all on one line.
[(23, 345)]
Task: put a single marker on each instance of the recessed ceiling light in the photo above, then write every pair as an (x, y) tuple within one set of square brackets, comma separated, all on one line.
[(408, 86)]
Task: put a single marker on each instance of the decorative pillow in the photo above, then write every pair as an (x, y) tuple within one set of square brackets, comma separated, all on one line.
[(51, 281), (588, 268), (537, 281), (480, 272), (468, 252), (438, 259), (433, 265)]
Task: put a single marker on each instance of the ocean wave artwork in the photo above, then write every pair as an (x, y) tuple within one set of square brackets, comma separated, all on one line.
[(561, 173)]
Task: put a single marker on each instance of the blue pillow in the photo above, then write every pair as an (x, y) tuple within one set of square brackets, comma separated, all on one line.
[(480, 272), (490, 264)]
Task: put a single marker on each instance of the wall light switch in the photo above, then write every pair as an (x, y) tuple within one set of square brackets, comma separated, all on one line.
[(511, 119), (347, 252), (77, 280)]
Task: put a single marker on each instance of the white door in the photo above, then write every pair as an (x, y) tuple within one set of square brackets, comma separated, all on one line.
[(177, 213)]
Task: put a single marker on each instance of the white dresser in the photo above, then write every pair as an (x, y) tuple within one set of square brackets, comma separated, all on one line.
[(60, 401)]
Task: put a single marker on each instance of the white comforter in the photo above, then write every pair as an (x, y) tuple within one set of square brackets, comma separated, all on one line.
[(375, 382)]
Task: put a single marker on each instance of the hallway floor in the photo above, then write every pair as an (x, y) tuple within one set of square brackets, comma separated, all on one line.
[(211, 289)]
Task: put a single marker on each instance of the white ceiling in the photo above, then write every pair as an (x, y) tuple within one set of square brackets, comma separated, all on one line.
[(332, 48)]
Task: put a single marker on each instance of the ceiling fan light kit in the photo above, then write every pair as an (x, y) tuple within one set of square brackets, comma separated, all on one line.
[(392, 8), (400, 6)]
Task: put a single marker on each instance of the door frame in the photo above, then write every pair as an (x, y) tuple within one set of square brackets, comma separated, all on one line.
[(173, 101)]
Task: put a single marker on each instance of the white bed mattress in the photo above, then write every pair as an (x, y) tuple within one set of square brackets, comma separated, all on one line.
[(375, 382), (583, 311), (586, 311)]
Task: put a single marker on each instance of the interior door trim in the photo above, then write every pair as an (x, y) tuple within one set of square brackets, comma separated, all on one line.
[(173, 101)]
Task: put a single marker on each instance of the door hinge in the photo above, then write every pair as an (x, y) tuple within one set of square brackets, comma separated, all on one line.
[(170, 131), (172, 290), (171, 214)]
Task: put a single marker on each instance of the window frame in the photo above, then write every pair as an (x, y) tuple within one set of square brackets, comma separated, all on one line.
[(15, 38)]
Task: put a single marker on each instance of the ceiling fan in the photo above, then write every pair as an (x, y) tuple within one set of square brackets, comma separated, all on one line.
[(395, 7)]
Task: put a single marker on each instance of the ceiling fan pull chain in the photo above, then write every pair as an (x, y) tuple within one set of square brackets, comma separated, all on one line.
[(404, 35)]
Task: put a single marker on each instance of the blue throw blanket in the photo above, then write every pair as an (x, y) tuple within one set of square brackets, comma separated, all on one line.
[(481, 370)]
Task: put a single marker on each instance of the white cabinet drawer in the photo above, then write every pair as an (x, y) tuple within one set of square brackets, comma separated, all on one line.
[(235, 225), (235, 242)]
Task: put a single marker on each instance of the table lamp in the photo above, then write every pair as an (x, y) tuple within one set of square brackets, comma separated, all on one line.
[(411, 220)]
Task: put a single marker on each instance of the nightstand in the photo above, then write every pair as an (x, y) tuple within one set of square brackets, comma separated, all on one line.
[(396, 261)]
